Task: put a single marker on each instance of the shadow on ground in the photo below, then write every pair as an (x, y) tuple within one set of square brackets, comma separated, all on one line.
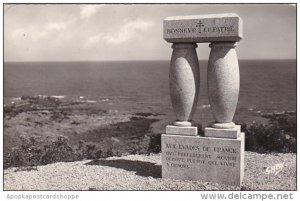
[(145, 169)]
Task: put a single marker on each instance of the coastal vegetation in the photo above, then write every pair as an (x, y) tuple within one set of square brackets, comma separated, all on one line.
[(42, 130)]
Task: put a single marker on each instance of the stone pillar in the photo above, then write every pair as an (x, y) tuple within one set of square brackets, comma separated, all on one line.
[(223, 83), (184, 82)]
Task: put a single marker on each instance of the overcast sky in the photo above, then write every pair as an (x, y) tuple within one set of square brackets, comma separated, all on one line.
[(134, 32)]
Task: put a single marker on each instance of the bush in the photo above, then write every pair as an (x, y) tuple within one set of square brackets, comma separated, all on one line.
[(154, 144), (28, 154), (35, 151), (280, 135), (57, 151)]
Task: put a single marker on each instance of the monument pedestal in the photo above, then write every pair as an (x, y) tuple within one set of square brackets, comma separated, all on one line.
[(211, 159)]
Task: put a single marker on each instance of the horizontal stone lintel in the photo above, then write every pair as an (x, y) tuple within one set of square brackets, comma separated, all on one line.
[(203, 28)]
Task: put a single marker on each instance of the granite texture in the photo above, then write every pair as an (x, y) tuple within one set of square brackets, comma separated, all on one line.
[(203, 158), (223, 82), (184, 82), (179, 130), (226, 125), (232, 133), (203, 28)]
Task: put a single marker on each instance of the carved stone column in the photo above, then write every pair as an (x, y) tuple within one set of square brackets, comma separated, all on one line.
[(184, 82), (223, 83)]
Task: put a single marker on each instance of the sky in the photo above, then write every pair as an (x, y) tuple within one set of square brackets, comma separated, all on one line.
[(87, 32)]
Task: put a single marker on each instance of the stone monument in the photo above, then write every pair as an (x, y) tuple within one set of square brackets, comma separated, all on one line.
[(218, 156)]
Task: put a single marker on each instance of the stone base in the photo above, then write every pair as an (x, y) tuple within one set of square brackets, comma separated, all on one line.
[(232, 133), (178, 130), (203, 158)]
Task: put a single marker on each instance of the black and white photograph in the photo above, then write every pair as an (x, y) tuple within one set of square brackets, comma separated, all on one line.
[(150, 97)]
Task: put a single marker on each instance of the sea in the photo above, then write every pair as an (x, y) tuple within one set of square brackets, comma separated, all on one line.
[(266, 86)]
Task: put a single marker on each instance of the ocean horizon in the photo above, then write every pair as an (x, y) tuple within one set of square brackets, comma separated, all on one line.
[(266, 86)]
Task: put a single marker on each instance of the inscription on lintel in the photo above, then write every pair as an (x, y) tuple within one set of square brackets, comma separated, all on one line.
[(225, 27)]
